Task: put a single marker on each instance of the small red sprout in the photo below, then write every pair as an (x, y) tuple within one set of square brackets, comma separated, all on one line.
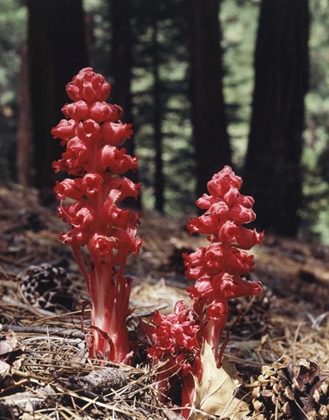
[(92, 133), (175, 343)]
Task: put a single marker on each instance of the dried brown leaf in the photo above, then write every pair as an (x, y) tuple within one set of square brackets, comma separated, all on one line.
[(4, 370), (8, 343), (214, 395)]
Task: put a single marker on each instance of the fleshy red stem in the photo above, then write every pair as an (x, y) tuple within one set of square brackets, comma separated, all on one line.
[(80, 261), (188, 391)]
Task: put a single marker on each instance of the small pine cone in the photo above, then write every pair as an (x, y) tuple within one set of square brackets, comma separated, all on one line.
[(282, 392), (47, 287)]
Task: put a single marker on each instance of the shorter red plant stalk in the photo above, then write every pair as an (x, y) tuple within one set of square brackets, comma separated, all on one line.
[(93, 134), (218, 267), (216, 270)]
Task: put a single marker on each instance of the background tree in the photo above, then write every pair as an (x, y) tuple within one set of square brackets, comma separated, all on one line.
[(57, 51), (121, 58), (160, 104), (121, 70), (12, 47), (315, 210), (272, 167), (238, 20), (212, 149), (159, 180), (25, 173)]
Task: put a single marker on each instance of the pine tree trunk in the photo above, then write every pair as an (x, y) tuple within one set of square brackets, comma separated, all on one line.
[(157, 115), (272, 168), (24, 138), (57, 51), (121, 65), (208, 110)]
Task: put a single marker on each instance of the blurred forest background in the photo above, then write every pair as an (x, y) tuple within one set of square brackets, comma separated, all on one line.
[(205, 83)]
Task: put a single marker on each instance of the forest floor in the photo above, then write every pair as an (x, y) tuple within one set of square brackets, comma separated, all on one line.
[(44, 369)]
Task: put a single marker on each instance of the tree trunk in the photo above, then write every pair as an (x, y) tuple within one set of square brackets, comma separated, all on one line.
[(272, 168), (208, 110), (157, 116), (121, 67), (24, 138), (57, 49)]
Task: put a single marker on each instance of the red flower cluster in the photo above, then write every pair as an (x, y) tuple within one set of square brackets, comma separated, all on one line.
[(217, 267), (175, 336), (175, 342), (92, 133)]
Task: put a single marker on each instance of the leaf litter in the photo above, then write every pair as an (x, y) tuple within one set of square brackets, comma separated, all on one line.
[(44, 369), (215, 394)]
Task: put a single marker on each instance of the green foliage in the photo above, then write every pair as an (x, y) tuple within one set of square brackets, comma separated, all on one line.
[(171, 44), (12, 35), (239, 21), (13, 19), (315, 213), (99, 35)]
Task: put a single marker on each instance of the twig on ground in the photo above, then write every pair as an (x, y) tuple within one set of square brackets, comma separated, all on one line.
[(37, 329)]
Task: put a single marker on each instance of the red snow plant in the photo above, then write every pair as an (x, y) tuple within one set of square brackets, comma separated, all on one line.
[(218, 271), (218, 267), (102, 235), (92, 134)]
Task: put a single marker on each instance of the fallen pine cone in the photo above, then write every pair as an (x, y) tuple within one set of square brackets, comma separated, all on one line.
[(282, 392), (48, 287)]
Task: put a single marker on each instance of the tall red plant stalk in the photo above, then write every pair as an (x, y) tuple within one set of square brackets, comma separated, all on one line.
[(93, 134)]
